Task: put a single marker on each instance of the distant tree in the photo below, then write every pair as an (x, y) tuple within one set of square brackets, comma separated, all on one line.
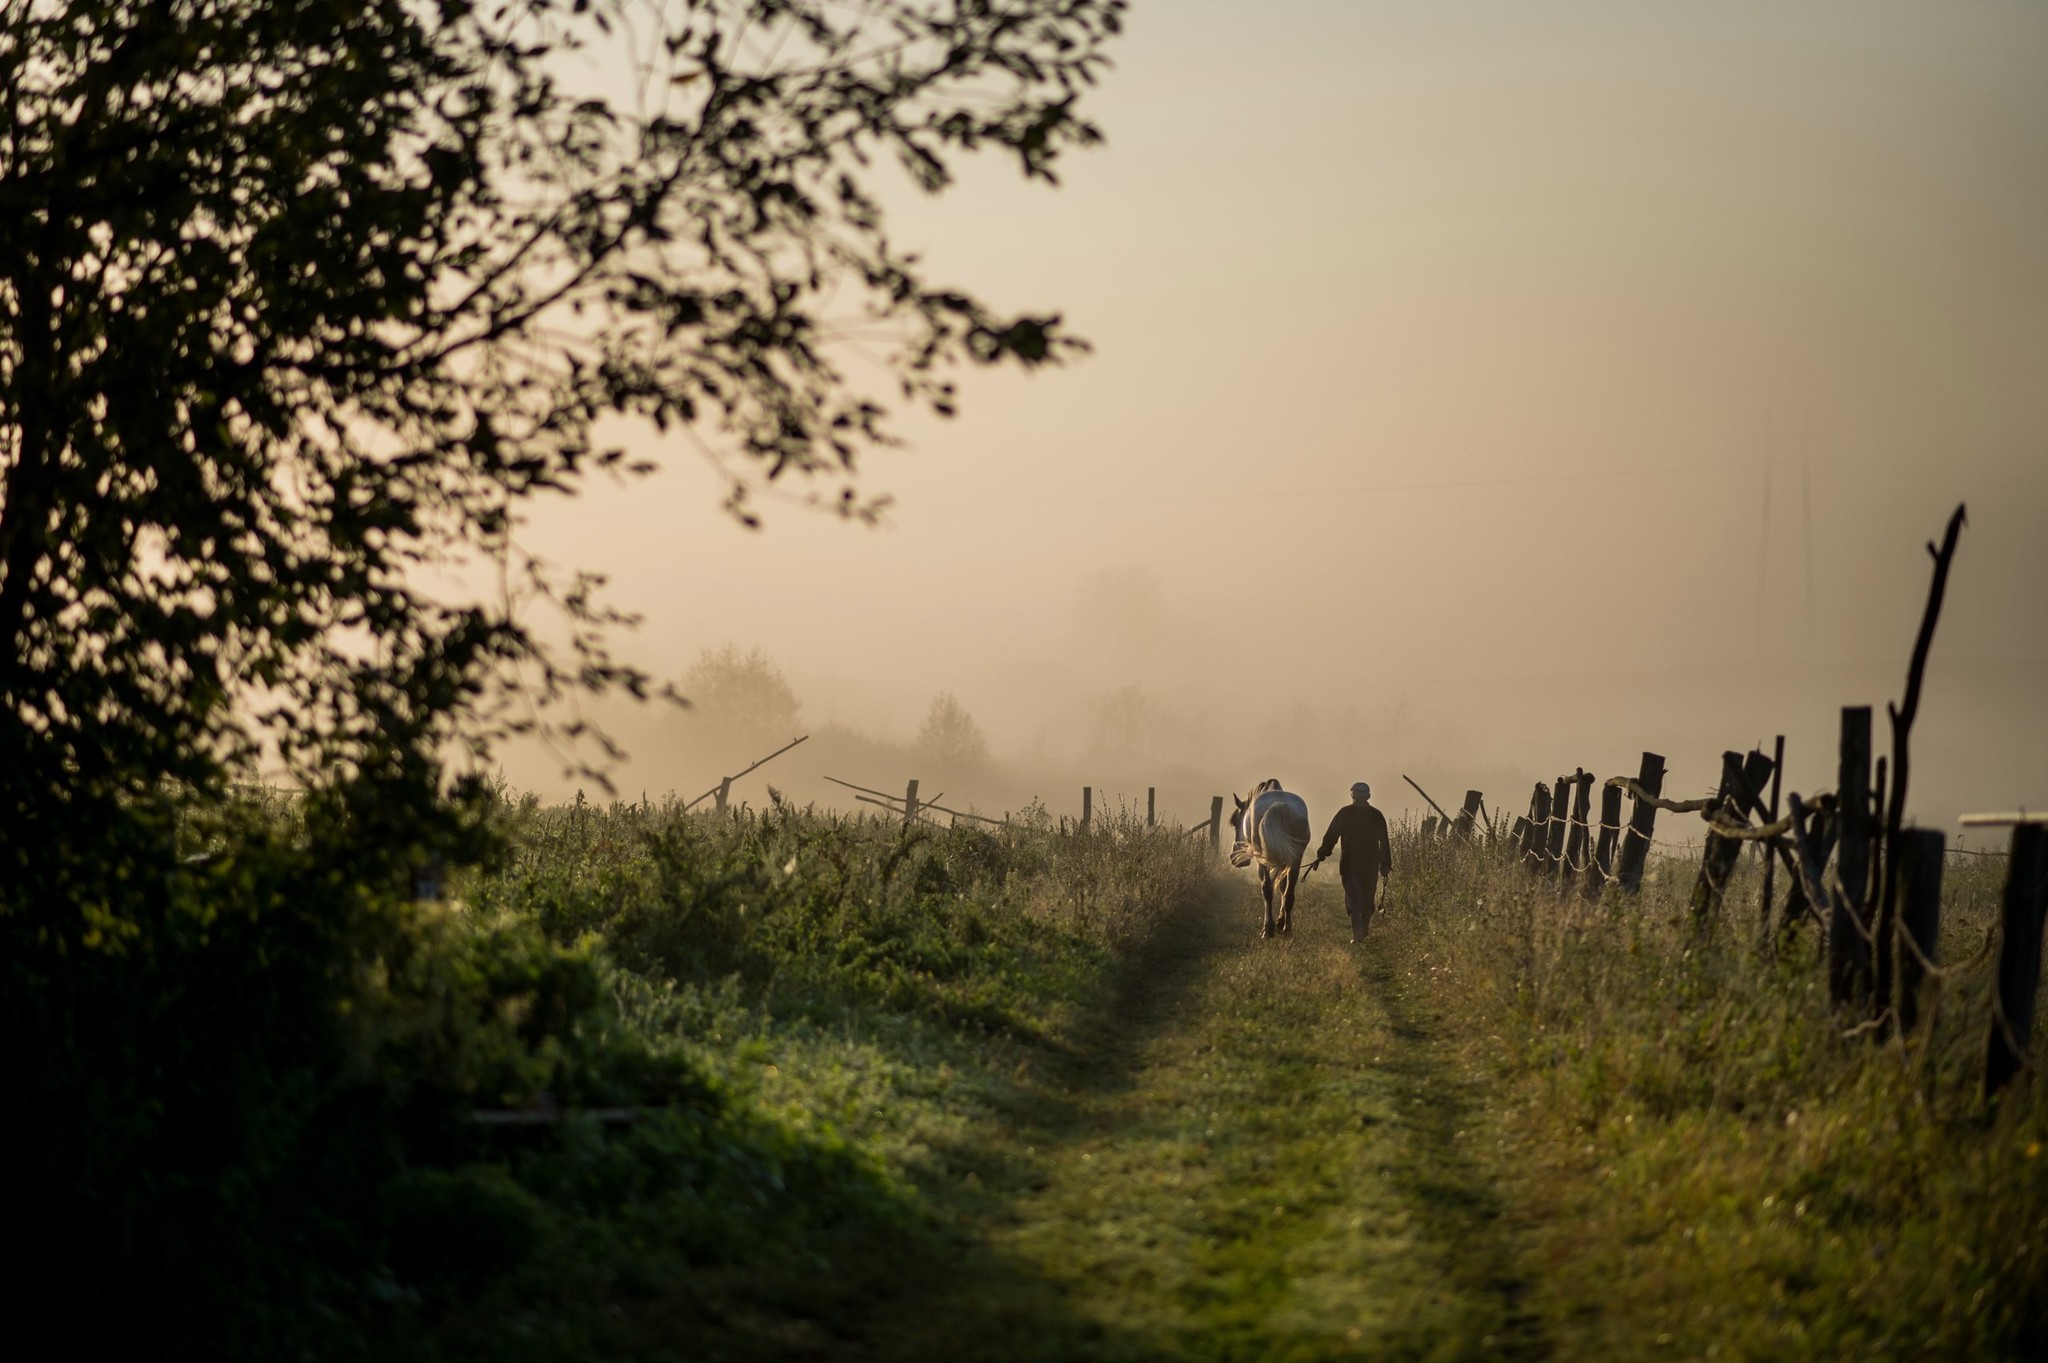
[(1127, 722), (744, 695), (950, 737), (299, 295)]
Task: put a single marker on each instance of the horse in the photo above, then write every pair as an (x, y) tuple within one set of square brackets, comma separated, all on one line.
[(1273, 833)]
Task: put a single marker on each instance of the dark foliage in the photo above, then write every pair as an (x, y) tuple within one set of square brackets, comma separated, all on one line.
[(296, 298)]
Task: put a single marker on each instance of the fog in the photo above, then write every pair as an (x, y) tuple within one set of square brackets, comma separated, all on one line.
[(1479, 392)]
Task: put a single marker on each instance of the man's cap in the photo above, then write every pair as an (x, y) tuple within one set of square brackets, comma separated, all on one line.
[(1361, 790)]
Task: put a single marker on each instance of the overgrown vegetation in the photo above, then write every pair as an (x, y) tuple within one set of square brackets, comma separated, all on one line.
[(301, 301), (1708, 1160), (761, 1033)]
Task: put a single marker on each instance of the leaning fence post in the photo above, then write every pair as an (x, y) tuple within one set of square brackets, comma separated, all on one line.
[(1087, 807), (1918, 867), (2019, 955), (1429, 822), (724, 790), (1215, 826), (910, 802), (1848, 934), (1741, 778), (1642, 823), (1151, 807)]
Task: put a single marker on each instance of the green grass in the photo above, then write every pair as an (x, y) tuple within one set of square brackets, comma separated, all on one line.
[(862, 1002), (1706, 1165), (1012, 1095), (1256, 1155), (1021, 1097)]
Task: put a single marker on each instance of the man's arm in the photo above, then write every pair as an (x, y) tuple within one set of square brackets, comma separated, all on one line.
[(1386, 848), (1330, 837)]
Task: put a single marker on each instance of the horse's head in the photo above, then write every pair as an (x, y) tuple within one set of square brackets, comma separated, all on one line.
[(1243, 802)]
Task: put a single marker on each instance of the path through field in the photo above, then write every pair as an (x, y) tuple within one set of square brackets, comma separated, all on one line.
[(1261, 1154)]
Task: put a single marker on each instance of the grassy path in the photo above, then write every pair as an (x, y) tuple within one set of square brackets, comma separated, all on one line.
[(1258, 1153)]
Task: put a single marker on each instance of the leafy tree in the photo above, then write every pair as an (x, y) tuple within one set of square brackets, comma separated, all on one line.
[(299, 295), (744, 694), (950, 737)]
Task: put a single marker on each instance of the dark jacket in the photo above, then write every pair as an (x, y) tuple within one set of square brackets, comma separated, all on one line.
[(1364, 831)]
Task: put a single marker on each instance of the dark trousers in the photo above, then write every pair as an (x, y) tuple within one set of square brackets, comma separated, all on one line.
[(1358, 888)]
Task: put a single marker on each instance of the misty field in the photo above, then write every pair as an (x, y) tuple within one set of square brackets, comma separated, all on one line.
[(788, 1084)]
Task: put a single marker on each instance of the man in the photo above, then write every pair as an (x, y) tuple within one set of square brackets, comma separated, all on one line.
[(1367, 859)]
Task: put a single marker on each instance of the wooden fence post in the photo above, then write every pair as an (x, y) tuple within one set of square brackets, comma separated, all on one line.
[(724, 791), (1215, 826), (1918, 866), (1763, 908), (1469, 815), (1087, 807), (1429, 823), (910, 802), (2019, 955), (1813, 838), (1741, 778), (1848, 939), (1577, 837), (1554, 844), (1642, 823), (1151, 807), (1536, 843), (1603, 847)]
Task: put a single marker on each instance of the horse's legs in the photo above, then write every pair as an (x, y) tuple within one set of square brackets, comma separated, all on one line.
[(1266, 889), (1289, 877)]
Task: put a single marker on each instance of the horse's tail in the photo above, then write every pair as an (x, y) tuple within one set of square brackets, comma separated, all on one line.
[(1284, 832)]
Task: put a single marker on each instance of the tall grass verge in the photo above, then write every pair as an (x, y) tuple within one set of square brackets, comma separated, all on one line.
[(1711, 1162)]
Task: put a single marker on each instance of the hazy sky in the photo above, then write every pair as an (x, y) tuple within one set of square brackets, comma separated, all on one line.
[(1479, 391)]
